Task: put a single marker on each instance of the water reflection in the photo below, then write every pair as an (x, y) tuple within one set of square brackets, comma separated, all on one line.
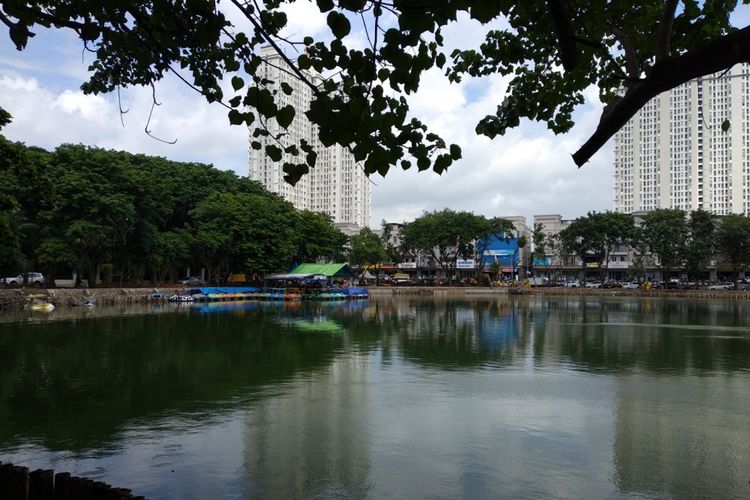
[(518, 397)]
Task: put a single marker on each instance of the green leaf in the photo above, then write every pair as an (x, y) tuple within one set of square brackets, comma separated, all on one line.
[(235, 117), (285, 116), (325, 5), (725, 125), (339, 24), (455, 151), (273, 152), (440, 60), (286, 88), (485, 10), (237, 82), (304, 62), (256, 145)]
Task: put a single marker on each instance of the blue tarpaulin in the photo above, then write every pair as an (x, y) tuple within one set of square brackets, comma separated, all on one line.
[(224, 289)]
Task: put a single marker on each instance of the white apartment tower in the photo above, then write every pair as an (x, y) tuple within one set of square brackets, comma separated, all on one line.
[(674, 154), (337, 185)]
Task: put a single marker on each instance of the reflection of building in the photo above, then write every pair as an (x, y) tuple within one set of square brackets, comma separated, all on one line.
[(311, 439), (337, 185)]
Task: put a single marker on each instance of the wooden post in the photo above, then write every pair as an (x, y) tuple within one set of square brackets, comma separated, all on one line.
[(41, 485), (16, 483), (101, 490), (62, 486)]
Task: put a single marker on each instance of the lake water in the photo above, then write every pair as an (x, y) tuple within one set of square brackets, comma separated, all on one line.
[(529, 397)]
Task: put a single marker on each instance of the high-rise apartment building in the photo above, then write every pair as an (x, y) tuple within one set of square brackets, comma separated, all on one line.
[(674, 153), (337, 185)]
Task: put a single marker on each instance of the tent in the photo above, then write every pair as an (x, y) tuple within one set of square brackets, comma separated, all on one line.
[(328, 270)]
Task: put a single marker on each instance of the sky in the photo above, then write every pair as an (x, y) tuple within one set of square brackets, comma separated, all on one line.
[(526, 172)]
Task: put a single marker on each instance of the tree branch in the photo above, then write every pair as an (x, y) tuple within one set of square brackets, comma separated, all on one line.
[(631, 57), (278, 50), (565, 35), (665, 30), (712, 57)]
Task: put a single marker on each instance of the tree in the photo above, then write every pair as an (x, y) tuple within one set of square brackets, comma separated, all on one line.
[(317, 237), (585, 238), (551, 50), (733, 241), (700, 243), (446, 235), (664, 233), (254, 231), (367, 248)]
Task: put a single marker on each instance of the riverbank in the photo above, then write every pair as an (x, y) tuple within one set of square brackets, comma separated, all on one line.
[(544, 291), (17, 298)]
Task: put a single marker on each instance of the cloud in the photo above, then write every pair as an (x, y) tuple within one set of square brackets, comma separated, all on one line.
[(46, 118), (528, 171)]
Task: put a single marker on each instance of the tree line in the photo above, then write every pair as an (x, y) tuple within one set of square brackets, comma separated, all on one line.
[(445, 236), (132, 217), (681, 241)]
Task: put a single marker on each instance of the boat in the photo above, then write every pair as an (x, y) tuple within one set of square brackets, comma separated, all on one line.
[(157, 296), (181, 298), (38, 305)]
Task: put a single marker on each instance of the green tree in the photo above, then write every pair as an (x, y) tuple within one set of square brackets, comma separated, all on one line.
[(367, 250), (700, 243), (733, 241), (584, 239), (551, 51), (317, 237), (665, 234), (541, 244), (252, 230), (446, 235)]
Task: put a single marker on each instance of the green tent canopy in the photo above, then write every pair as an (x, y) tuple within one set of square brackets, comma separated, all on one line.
[(328, 270)]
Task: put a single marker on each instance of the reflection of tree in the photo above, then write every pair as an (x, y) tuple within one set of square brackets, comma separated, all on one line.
[(659, 335), (74, 384), (455, 333)]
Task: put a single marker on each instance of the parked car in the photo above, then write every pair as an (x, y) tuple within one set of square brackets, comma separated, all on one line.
[(722, 285), (192, 281), (32, 279), (611, 284), (539, 281), (631, 285), (573, 284), (673, 284), (593, 284)]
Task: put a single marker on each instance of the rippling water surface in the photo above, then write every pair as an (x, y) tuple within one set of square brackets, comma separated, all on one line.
[(392, 398)]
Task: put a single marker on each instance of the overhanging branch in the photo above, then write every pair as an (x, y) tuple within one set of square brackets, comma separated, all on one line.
[(716, 55), (565, 35)]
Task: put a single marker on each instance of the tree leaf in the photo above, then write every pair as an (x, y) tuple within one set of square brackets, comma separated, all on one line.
[(339, 24), (273, 152), (285, 116), (237, 82)]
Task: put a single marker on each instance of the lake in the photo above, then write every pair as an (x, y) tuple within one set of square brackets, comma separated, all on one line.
[(510, 397)]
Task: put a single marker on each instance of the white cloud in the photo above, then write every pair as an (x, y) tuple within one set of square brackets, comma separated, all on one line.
[(43, 117)]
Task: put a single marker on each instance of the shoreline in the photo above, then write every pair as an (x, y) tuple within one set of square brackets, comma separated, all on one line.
[(17, 298)]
